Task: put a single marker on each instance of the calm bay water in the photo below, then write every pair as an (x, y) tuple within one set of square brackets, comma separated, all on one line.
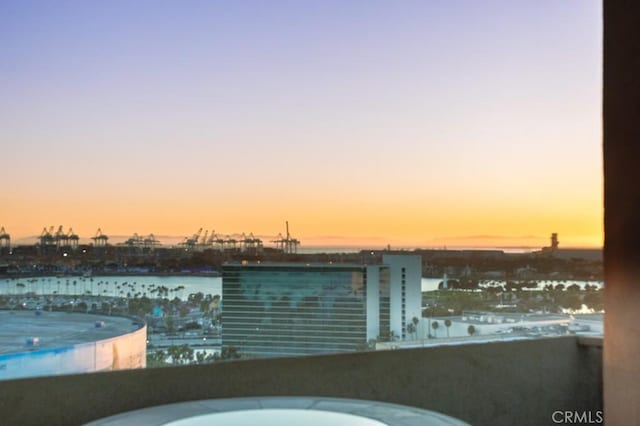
[(114, 286), (177, 286)]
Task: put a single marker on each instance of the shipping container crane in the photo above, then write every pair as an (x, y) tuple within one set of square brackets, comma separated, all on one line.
[(212, 238), (134, 241), (100, 239), (46, 237), (190, 243), (220, 243), (150, 242), (288, 244), (203, 240), (5, 239), (72, 239), (251, 243), (230, 243)]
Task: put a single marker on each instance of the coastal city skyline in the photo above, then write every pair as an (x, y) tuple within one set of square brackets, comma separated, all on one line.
[(359, 124)]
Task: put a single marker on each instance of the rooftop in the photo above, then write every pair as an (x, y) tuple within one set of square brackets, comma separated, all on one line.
[(295, 265), (57, 329)]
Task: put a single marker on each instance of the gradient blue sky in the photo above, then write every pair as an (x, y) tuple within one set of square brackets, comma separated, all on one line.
[(413, 122)]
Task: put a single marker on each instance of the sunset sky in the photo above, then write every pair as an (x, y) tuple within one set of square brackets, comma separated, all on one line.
[(412, 123)]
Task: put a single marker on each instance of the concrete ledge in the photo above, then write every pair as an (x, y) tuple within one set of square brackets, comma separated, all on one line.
[(521, 382), (593, 341)]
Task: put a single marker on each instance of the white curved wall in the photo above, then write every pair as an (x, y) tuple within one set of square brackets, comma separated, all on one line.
[(117, 353)]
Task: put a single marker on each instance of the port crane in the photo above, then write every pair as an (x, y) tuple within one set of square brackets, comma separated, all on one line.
[(5, 239), (287, 244), (72, 239), (190, 243), (46, 237), (100, 239)]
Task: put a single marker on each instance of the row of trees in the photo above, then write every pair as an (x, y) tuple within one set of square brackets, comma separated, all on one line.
[(412, 327), (185, 355)]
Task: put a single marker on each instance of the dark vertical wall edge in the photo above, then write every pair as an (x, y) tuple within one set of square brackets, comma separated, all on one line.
[(621, 153)]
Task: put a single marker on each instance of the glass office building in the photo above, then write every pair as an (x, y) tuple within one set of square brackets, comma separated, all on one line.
[(280, 310), (299, 309)]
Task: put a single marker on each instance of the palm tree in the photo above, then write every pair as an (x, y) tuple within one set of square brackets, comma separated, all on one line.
[(229, 352), (411, 329), (435, 326), (174, 352), (179, 290), (447, 323), (415, 322)]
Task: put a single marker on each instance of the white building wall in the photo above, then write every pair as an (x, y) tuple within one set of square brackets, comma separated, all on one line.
[(122, 352), (407, 268), (373, 301)]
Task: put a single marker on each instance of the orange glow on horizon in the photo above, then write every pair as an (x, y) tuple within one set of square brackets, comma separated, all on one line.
[(320, 223)]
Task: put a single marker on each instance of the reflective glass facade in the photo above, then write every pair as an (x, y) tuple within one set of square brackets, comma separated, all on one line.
[(282, 310)]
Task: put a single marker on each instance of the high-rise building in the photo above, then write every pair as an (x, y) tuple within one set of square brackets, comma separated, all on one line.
[(285, 309), (405, 291)]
